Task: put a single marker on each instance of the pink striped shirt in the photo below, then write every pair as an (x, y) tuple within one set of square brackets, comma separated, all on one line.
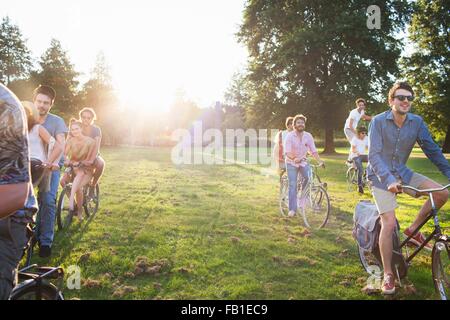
[(299, 147)]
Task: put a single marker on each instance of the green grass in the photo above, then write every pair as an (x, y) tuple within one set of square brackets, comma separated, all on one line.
[(220, 234)]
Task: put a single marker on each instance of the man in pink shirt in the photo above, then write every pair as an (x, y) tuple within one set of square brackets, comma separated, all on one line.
[(298, 144)]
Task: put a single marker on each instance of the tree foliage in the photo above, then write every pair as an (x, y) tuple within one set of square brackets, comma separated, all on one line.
[(428, 68), (57, 71), (15, 57), (315, 57)]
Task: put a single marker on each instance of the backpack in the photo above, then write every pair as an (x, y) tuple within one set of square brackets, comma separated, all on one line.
[(367, 226)]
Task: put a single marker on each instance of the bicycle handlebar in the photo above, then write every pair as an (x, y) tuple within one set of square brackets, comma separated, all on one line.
[(425, 190)]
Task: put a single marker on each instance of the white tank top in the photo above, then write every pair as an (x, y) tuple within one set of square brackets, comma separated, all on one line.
[(37, 149)]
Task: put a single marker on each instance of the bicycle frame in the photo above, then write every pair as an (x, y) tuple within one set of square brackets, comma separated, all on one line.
[(437, 232), (36, 278)]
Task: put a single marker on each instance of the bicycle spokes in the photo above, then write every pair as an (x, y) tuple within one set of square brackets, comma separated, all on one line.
[(441, 269)]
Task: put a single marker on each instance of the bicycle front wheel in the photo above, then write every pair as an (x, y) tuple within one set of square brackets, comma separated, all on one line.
[(316, 208), (63, 218), (45, 291), (352, 179), (440, 265)]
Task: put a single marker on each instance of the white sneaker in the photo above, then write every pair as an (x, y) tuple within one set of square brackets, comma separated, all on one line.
[(291, 214)]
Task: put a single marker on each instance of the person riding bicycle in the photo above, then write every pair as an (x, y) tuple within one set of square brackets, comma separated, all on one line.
[(87, 118), (41, 145), (278, 150), (358, 154), (298, 144), (392, 136), (17, 201), (44, 98), (78, 152), (353, 119)]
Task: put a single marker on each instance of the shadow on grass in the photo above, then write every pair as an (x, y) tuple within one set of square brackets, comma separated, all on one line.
[(68, 241)]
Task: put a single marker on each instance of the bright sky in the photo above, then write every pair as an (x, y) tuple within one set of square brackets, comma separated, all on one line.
[(153, 47)]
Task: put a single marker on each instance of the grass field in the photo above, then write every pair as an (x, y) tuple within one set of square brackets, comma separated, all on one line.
[(214, 232)]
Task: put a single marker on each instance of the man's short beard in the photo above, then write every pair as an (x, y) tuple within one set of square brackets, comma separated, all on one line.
[(399, 111), (300, 129)]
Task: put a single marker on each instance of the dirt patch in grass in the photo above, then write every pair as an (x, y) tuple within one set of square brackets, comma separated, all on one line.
[(144, 266)]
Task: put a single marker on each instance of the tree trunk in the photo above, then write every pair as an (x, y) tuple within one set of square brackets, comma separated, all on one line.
[(329, 141), (446, 146)]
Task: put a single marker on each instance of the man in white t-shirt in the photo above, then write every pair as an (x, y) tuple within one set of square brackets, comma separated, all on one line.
[(358, 153), (353, 119)]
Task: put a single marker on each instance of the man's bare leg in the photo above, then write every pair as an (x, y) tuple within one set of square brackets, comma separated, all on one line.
[(388, 224)]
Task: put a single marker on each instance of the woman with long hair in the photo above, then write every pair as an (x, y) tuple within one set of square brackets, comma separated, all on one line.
[(78, 152), (87, 118)]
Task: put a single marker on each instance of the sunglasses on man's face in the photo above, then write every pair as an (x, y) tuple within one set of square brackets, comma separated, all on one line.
[(403, 98)]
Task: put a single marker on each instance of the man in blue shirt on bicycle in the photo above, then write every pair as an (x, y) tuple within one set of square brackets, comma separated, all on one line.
[(392, 136)]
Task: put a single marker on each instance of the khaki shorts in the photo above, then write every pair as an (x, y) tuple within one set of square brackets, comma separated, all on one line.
[(387, 201)]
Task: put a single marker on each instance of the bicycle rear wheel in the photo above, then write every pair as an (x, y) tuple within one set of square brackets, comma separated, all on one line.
[(316, 208), (91, 204), (45, 291), (283, 197), (371, 261), (440, 265), (63, 218)]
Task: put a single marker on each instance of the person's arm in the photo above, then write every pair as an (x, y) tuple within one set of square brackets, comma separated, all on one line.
[(46, 137), (67, 146), (57, 151), (380, 169), (354, 151), (313, 150), (13, 198), (97, 143), (366, 117), (91, 154), (432, 150), (14, 157), (288, 150), (350, 125)]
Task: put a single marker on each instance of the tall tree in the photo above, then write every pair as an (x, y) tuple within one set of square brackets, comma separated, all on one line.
[(15, 57), (57, 71), (98, 93), (428, 68), (316, 56)]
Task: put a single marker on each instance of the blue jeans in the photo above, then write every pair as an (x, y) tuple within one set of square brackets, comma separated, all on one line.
[(293, 173), (45, 220), (358, 162)]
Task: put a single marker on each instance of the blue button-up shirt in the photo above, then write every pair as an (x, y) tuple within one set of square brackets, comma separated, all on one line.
[(390, 147)]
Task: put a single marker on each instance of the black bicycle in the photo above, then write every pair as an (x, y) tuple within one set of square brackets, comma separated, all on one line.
[(352, 176), (35, 283), (91, 201), (313, 199), (440, 255)]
